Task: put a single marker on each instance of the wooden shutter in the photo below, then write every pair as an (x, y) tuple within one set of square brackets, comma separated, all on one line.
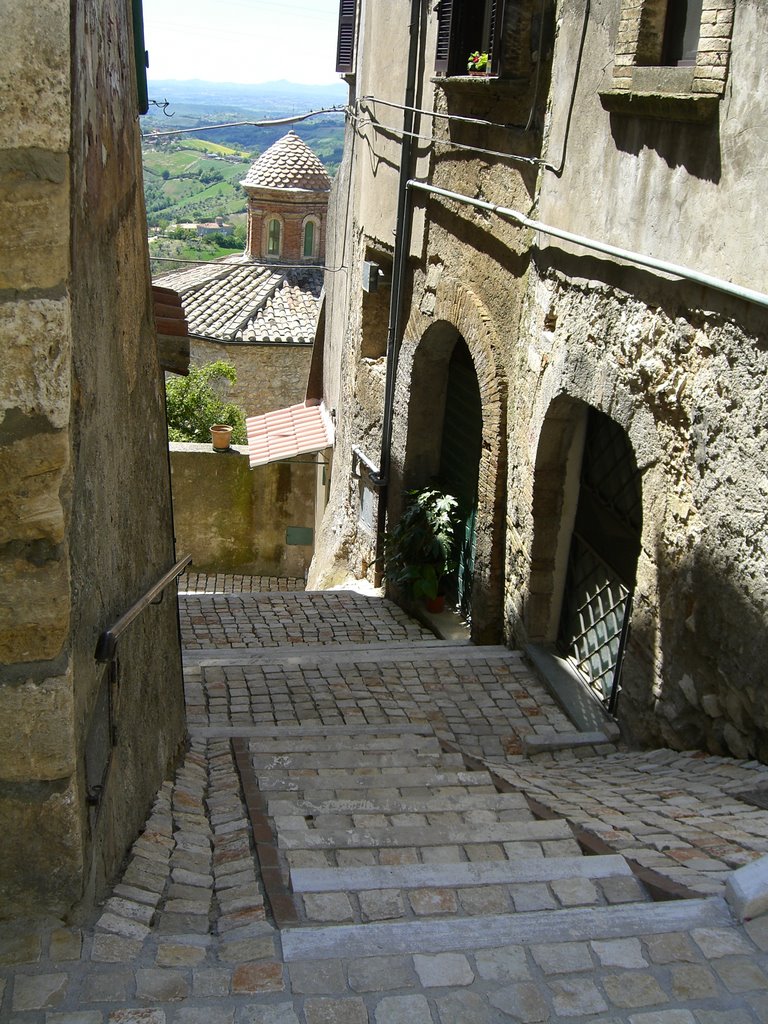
[(141, 57), (444, 22), (496, 40), (345, 47)]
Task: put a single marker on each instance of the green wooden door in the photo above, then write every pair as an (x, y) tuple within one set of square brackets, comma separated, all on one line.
[(460, 451)]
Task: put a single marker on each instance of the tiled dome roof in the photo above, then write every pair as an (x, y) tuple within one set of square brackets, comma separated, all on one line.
[(290, 164)]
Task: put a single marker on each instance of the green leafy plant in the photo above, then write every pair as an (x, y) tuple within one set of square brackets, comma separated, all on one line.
[(194, 403), (477, 61), (420, 550)]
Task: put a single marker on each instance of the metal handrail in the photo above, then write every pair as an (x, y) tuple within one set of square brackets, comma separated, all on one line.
[(107, 645)]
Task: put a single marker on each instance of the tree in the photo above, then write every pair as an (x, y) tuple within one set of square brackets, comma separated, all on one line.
[(194, 403)]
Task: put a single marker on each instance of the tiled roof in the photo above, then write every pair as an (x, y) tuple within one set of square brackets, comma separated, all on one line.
[(289, 164), (297, 430), (237, 300)]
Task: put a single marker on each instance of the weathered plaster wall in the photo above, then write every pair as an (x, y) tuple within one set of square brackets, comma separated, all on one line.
[(83, 474), (681, 368), (234, 519), (268, 376), (553, 329)]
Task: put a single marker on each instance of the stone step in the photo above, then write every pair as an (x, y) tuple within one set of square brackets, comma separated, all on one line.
[(463, 874), (323, 743), (460, 801), (487, 931), (450, 835), (357, 761), (416, 652), (385, 780)]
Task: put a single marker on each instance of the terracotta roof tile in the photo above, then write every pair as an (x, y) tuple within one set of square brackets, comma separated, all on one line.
[(283, 433), (289, 164), (236, 300)]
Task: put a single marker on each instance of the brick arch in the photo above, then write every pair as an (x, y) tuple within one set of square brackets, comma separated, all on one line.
[(420, 405)]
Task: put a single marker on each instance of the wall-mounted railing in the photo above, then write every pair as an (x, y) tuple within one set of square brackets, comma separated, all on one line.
[(106, 648)]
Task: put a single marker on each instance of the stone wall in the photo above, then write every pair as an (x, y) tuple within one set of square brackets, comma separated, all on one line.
[(84, 482), (234, 519), (268, 376), (553, 329)]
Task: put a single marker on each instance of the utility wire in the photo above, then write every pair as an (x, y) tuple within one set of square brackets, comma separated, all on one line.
[(271, 123), (515, 157), (249, 266)]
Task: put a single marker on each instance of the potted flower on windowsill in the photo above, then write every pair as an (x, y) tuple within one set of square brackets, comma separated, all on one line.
[(478, 63), (420, 550)]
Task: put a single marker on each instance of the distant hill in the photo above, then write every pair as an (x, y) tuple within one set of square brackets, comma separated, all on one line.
[(195, 176)]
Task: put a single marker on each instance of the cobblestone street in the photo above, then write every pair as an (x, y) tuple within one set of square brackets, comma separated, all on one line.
[(372, 826)]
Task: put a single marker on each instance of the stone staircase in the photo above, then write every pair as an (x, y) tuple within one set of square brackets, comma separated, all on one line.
[(387, 844)]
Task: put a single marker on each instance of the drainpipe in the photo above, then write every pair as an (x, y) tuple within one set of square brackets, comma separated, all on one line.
[(639, 259), (380, 479)]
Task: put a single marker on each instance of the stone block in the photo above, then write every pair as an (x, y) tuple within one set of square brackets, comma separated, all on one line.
[(35, 378), (335, 1011), (37, 741), (41, 856), (35, 75), (525, 1002), (280, 1013), (746, 889), (38, 991), (443, 969), (35, 246), (160, 985), (403, 1010)]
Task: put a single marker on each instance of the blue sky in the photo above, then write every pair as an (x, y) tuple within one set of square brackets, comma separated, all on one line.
[(242, 40)]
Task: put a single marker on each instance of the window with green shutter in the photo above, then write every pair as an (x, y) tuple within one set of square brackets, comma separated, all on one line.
[(345, 48)]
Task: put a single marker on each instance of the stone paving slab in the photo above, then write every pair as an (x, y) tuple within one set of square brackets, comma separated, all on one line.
[(487, 705), (414, 876), (236, 583), (674, 812), (211, 957), (245, 620)]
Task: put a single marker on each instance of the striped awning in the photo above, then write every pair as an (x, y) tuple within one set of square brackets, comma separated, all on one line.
[(284, 433)]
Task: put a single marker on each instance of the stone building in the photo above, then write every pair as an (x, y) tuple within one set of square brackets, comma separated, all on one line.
[(566, 327), (259, 310), (84, 481)]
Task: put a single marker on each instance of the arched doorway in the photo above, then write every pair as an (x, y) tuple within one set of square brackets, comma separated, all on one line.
[(602, 561), (460, 449), (445, 442), (587, 507)]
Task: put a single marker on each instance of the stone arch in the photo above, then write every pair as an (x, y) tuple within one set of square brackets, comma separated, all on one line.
[(587, 519), (420, 407)]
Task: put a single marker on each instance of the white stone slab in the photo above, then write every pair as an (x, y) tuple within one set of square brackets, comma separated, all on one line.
[(436, 936), (747, 889), (466, 873), (449, 835)]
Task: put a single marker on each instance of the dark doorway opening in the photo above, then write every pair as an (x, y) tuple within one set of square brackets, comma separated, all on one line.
[(602, 562), (460, 450)]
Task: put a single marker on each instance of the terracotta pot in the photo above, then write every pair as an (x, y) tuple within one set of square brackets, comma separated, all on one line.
[(221, 435), (436, 604)]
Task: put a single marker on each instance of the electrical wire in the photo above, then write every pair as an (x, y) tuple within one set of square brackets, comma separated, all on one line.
[(271, 123), (480, 122), (514, 157), (250, 266)]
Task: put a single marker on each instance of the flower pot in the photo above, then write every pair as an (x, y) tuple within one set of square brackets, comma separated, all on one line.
[(435, 604), (221, 435)]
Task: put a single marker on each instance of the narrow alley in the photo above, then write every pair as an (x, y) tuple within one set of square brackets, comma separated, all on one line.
[(374, 826)]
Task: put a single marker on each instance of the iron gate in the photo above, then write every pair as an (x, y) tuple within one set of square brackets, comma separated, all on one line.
[(602, 562)]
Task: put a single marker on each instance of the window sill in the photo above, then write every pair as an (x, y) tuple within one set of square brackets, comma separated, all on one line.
[(688, 107), (459, 82)]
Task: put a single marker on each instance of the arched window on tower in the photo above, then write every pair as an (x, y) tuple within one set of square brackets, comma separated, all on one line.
[(311, 236), (273, 237)]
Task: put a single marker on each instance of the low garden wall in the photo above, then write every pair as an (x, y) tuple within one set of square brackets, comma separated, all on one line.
[(233, 519)]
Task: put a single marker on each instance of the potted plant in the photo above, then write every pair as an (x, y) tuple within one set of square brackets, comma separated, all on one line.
[(477, 63), (221, 436), (420, 551)]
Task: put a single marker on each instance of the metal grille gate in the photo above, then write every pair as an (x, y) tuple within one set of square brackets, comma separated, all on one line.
[(603, 558)]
